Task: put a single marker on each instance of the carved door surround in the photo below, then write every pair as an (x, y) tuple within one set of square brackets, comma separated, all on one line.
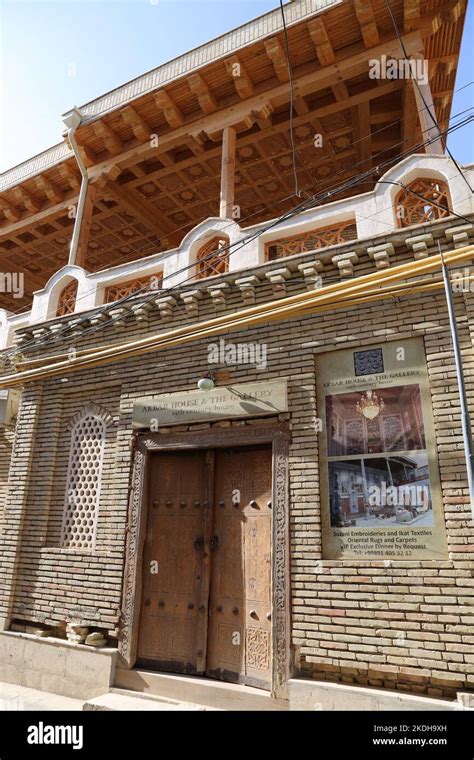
[(145, 445)]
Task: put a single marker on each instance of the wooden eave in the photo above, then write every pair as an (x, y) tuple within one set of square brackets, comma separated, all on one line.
[(362, 123)]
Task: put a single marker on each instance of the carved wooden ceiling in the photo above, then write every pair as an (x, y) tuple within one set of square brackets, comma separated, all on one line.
[(150, 195)]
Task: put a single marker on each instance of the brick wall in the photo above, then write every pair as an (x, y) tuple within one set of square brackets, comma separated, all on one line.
[(407, 625)]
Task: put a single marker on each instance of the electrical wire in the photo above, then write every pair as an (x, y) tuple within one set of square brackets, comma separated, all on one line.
[(292, 96), (304, 206), (303, 190)]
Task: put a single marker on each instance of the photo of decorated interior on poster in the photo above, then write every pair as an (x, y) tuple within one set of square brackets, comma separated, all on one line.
[(371, 422), (379, 471), (380, 491)]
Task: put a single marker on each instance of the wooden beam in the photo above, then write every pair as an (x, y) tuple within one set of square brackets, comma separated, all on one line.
[(88, 155), (367, 23), (411, 15), (171, 112), (322, 43), (340, 91), (363, 139), (52, 192), (196, 143), (29, 201), (263, 117), (11, 212), (426, 112), (242, 81), (140, 208), (227, 173), (409, 117), (300, 104), (32, 220), (83, 243), (278, 58), (139, 126), (72, 177), (113, 144), (308, 83), (206, 99)]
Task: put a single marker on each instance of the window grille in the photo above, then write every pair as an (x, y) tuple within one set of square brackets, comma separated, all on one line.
[(122, 289), (412, 209), (311, 241), (213, 258), (67, 299), (83, 482)]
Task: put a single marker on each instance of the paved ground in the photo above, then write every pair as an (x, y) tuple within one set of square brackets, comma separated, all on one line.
[(14, 697)]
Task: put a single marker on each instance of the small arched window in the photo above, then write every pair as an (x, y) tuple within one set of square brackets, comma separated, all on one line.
[(213, 257), (423, 200), (67, 299), (81, 503)]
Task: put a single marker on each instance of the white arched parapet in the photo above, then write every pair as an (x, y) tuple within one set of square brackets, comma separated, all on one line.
[(45, 301), (378, 215), (181, 267)]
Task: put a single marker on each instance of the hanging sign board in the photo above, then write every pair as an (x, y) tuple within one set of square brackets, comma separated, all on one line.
[(380, 491), (226, 402)]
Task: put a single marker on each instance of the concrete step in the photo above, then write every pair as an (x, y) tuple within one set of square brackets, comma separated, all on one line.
[(196, 690), (122, 699)]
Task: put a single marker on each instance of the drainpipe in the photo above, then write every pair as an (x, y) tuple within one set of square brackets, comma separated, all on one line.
[(465, 418), (72, 119)]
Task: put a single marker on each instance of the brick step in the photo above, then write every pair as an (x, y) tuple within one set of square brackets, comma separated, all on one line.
[(196, 690)]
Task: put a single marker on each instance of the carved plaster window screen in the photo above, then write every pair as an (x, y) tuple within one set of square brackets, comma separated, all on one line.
[(411, 209), (67, 299), (311, 241), (212, 258), (122, 289), (83, 482)]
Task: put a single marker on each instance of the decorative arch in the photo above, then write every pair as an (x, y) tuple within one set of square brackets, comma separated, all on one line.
[(86, 452), (212, 258), (411, 209), (67, 299)]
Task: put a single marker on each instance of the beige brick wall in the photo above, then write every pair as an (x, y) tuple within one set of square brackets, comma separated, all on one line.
[(408, 625)]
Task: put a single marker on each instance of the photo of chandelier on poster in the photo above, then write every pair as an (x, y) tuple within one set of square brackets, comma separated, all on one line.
[(380, 492)]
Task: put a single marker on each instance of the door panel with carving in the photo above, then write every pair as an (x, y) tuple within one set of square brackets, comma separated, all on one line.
[(206, 591), (239, 638), (173, 619)]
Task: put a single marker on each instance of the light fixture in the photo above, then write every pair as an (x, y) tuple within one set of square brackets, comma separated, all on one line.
[(370, 405), (207, 382)]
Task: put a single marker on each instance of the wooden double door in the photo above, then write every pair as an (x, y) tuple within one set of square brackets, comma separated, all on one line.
[(206, 590)]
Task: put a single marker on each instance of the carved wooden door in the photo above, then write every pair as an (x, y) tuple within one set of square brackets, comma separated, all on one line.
[(175, 587), (206, 593), (239, 638)]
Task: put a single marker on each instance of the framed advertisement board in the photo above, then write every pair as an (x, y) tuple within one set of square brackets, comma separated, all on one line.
[(380, 490)]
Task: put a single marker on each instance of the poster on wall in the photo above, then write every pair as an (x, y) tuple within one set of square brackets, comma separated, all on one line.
[(380, 490)]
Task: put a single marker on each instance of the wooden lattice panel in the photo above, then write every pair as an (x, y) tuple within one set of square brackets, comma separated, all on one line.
[(213, 258), (67, 299), (411, 209), (123, 289), (83, 483), (310, 241)]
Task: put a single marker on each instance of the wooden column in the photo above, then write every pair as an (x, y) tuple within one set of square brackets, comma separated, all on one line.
[(85, 225), (227, 173), (429, 123)]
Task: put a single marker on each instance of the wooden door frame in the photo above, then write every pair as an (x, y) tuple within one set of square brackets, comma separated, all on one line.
[(145, 445)]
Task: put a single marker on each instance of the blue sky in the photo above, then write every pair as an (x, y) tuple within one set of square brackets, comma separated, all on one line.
[(54, 55)]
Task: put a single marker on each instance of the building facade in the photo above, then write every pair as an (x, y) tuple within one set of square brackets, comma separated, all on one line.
[(305, 520)]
